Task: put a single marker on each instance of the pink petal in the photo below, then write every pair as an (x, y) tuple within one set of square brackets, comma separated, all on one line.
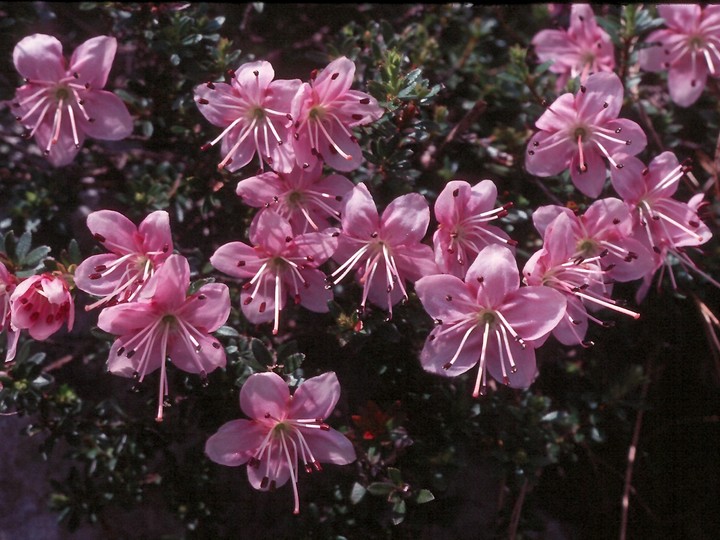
[(254, 78), (607, 217), (630, 132), (243, 153), (360, 216), (224, 103), (405, 220), (348, 145), (335, 80), (93, 60), (315, 398), (120, 364), (261, 308), (415, 261), (330, 446), (445, 297), (271, 231), (533, 312), (235, 442), (265, 394), (685, 81), (524, 361), (112, 120), (493, 275), (185, 356), (126, 319), (114, 231), (64, 151), (568, 333), (259, 190), (39, 57), (600, 89), (207, 309), (628, 181), (660, 168), (156, 235), (278, 470), (315, 296), (559, 115), (168, 285), (360, 108), (592, 181), (551, 155), (438, 351), (319, 246), (237, 259), (654, 58), (544, 215), (681, 17)]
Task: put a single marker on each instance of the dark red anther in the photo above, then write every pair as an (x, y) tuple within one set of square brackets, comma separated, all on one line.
[(313, 74), (203, 101), (365, 101), (210, 85)]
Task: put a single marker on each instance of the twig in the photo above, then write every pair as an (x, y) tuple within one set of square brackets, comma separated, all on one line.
[(517, 511), (632, 453)]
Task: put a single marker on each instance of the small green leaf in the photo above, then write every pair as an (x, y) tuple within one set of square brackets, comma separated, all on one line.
[(260, 352), (227, 331), (357, 493), (381, 489), (395, 475), (424, 496)]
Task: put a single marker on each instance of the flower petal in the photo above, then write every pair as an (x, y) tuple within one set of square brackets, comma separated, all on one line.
[(111, 118), (330, 446), (445, 297), (405, 220), (39, 57), (493, 275), (533, 312), (93, 60), (263, 394), (207, 309), (235, 442), (686, 80), (315, 398)]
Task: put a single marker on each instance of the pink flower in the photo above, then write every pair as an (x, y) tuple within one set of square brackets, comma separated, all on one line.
[(687, 48), (60, 104), (41, 304), (603, 234), (135, 254), (304, 197), (576, 273), (325, 111), (284, 430), (278, 265), (254, 109), (386, 250), (584, 48), (463, 213), (664, 224), (165, 322), (579, 131), (487, 320), (8, 282)]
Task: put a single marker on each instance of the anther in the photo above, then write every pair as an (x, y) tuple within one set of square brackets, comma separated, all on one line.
[(365, 101), (583, 89), (203, 101), (334, 76), (210, 85)]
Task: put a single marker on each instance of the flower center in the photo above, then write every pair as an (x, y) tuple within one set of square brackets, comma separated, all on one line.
[(587, 247), (294, 198), (581, 133)]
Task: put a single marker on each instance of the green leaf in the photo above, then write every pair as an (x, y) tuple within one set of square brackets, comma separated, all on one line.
[(398, 510), (357, 493), (381, 489), (227, 331), (35, 256), (424, 496), (260, 352), (23, 246), (395, 475)]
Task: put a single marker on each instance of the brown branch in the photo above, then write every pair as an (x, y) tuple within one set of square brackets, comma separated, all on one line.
[(632, 453), (517, 511)]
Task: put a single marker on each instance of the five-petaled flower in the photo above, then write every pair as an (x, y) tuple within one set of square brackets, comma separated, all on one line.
[(254, 109), (687, 49), (581, 50), (60, 104), (135, 254), (306, 198), (488, 319), (463, 213), (386, 250), (284, 431), (579, 131), (41, 304), (662, 223), (325, 110), (279, 264), (165, 322)]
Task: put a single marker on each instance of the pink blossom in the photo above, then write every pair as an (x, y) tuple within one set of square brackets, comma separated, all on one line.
[(603, 234), (664, 224), (387, 250), (463, 213), (41, 304), (687, 48), (135, 254), (254, 109), (304, 197), (60, 104), (284, 431), (579, 272), (8, 282), (279, 264), (165, 322), (488, 319), (325, 111), (579, 132), (584, 48)]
